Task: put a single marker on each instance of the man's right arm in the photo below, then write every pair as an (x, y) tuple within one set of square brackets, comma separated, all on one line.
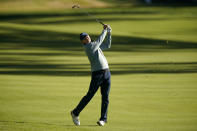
[(96, 44), (101, 37), (107, 44)]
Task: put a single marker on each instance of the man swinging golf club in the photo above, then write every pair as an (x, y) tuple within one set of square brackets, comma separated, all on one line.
[(101, 76)]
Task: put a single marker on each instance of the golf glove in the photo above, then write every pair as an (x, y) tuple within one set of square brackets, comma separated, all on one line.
[(109, 29)]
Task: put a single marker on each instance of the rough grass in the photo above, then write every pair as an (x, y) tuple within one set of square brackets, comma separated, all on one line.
[(153, 59)]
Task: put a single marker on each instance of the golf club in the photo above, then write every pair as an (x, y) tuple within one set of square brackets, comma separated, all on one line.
[(84, 11)]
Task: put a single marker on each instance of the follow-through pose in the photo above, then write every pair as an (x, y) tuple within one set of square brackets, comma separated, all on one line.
[(101, 76)]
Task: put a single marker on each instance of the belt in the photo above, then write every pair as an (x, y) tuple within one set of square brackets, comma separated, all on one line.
[(102, 71)]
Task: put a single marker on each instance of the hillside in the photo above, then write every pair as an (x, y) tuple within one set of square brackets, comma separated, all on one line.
[(32, 5)]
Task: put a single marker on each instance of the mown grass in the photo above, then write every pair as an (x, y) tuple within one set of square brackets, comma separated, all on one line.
[(44, 71)]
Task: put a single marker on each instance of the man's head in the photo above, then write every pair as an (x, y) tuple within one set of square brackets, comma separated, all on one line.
[(85, 38)]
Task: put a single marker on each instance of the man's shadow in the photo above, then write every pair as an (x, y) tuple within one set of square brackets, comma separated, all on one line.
[(43, 123)]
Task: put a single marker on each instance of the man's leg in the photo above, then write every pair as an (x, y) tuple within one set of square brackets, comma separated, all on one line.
[(105, 89), (94, 85)]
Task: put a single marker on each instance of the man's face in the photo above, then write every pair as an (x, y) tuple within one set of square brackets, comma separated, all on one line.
[(86, 40)]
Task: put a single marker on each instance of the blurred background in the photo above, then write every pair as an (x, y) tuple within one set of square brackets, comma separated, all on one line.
[(44, 71), (28, 5)]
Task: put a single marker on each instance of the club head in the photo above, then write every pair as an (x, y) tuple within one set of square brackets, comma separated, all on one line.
[(75, 6)]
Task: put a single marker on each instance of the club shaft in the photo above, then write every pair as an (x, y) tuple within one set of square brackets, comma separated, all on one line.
[(91, 16)]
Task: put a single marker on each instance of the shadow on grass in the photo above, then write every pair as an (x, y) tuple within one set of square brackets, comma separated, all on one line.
[(30, 17), (14, 38), (61, 19), (74, 16), (83, 69), (67, 44), (44, 123), (89, 20)]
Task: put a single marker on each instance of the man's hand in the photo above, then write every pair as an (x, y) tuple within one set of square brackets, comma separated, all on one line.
[(107, 27)]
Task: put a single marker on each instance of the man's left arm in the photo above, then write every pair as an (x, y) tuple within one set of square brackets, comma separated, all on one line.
[(107, 44)]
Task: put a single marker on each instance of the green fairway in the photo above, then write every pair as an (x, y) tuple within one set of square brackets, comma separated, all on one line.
[(44, 71)]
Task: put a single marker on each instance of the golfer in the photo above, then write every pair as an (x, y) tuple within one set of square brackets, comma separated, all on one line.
[(101, 75)]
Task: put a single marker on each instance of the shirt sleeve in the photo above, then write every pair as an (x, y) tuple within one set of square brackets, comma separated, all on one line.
[(107, 44), (96, 44)]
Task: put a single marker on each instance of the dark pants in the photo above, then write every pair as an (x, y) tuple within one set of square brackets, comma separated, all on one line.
[(99, 78)]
